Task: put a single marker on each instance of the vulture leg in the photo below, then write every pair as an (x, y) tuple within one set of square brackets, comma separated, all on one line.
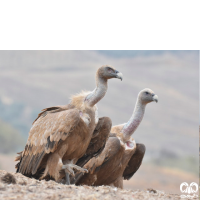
[(135, 161), (67, 178)]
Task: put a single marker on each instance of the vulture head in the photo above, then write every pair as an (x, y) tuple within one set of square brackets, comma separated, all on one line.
[(108, 72), (103, 74), (147, 96)]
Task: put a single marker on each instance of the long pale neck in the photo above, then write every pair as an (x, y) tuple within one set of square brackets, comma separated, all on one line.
[(135, 120), (98, 93)]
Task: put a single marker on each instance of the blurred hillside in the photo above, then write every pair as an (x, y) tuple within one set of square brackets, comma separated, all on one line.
[(33, 80), (10, 139)]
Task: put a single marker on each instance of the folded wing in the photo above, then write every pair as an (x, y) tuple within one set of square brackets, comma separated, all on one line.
[(135, 162), (49, 130)]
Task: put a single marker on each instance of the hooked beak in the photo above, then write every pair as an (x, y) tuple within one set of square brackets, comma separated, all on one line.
[(155, 98), (119, 75)]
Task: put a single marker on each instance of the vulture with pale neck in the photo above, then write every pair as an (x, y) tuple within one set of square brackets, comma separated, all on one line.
[(121, 157), (60, 135)]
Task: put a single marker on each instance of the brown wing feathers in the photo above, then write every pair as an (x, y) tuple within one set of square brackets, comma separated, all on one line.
[(53, 110), (98, 141), (135, 162), (44, 112), (93, 165), (110, 150), (47, 133)]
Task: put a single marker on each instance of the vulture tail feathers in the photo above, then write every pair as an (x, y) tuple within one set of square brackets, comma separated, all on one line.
[(28, 160), (32, 163), (29, 164), (37, 162), (22, 164), (18, 158)]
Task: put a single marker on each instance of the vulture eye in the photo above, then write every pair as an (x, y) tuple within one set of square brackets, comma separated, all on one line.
[(110, 69), (146, 92)]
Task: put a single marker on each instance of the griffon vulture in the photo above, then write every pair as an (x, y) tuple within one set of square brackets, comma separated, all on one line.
[(60, 135), (121, 157)]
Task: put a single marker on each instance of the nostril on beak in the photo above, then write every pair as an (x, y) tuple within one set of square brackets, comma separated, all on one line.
[(116, 71), (153, 94)]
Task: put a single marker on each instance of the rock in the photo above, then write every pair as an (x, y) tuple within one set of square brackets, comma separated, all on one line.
[(8, 178)]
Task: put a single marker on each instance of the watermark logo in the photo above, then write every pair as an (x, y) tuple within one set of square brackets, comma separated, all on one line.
[(189, 189)]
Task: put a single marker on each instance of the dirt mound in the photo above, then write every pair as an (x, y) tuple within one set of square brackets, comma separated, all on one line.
[(27, 188)]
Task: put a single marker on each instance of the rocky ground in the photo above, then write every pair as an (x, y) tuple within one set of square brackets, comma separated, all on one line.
[(17, 186)]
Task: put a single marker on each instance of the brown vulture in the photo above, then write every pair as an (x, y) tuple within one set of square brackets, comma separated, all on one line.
[(121, 157), (60, 135)]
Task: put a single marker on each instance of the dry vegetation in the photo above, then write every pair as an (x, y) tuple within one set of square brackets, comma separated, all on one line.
[(20, 187)]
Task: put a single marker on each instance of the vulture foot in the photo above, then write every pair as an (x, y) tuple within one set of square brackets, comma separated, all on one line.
[(69, 170)]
